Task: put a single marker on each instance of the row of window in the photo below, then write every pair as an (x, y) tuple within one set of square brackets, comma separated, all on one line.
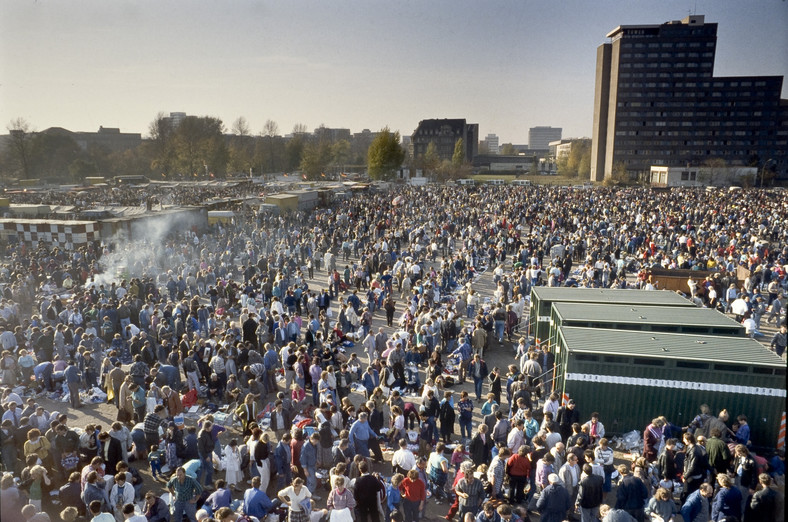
[(686, 364), (679, 143), (691, 123), (683, 152), (667, 45)]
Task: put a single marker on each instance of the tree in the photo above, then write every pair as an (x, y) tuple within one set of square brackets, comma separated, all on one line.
[(385, 155), (315, 158), (458, 157), (507, 149), (293, 151), (240, 127), (340, 153), (160, 146), (619, 174), (299, 128), (51, 153), (20, 145), (81, 168), (713, 171), (200, 146), (430, 162), (271, 134)]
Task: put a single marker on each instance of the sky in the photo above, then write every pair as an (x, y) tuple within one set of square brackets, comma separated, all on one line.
[(506, 65)]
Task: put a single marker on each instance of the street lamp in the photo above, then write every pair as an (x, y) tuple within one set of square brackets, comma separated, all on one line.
[(765, 163)]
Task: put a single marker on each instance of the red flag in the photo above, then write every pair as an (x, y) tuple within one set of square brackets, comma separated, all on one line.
[(303, 176)]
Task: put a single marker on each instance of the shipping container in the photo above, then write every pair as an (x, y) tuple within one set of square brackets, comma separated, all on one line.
[(630, 377), (543, 297), (678, 319)]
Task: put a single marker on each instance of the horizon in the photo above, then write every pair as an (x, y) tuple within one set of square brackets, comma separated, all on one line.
[(508, 66)]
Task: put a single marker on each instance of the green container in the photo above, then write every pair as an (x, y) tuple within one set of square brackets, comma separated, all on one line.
[(675, 319), (630, 377), (543, 297)]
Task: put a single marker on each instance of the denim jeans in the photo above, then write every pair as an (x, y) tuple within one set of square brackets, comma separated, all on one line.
[(184, 508), (466, 427), (206, 466)]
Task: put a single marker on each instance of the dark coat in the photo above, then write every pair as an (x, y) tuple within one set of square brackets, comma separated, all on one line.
[(480, 451), (114, 454), (553, 503), (590, 493)]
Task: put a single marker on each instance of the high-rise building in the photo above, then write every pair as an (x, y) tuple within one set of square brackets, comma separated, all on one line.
[(491, 143), (539, 138), (444, 134), (657, 102)]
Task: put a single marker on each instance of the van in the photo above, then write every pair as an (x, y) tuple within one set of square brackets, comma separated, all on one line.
[(466, 181), (494, 182), (522, 182)]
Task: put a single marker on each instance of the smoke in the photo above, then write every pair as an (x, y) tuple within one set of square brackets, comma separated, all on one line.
[(149, 245)]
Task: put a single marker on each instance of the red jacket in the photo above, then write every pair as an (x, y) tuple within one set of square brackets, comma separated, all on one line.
[(518, 466), (413, 490)]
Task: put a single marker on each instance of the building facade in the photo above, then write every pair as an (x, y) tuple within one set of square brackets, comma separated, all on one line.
[(539, 138), (656, 102), (444, 133), (491, 143)]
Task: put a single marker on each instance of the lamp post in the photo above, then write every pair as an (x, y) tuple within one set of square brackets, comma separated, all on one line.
[(765, 163)]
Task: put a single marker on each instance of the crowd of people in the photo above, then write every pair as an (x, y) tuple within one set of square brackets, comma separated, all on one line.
[(267, 323)]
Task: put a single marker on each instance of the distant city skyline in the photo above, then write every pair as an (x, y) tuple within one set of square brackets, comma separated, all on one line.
[(508, 65)]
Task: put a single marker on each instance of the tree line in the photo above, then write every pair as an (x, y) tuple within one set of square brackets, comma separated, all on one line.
[(198, 147)]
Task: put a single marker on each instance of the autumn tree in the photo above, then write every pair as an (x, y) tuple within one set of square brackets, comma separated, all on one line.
[(385, 155)]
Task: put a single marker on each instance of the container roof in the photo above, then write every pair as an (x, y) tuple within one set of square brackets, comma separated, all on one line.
[(706, 348), (608, 295), (638, 314)]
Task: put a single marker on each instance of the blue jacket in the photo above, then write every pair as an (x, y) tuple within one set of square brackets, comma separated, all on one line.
[(370, 381), (309, 455), (727, 503), (692, 507), (282, 456), (256, 503), (464, 351)]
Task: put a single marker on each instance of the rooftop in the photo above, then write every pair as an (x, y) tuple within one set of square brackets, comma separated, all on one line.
[(706, 348)]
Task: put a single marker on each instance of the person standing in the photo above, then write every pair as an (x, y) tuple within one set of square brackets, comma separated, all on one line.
[(185, 491), (367, 488), (631, 495), (308, 458), (205, 445), (589, 495), (294, 496), (73, 378), (478, 370), (554, 502), (414, 495)]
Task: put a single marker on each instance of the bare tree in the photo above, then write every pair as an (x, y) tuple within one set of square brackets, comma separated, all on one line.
[(299, 128), (240, 127), (21, 139), (270, 129)]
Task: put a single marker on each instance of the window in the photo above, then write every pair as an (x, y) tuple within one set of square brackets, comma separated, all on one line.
[(730, 368), (587, 357), (643, 361), (692, 365), (615, 360), (762, 371)]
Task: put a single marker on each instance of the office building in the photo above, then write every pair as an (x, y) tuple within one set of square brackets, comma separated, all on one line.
[(444, 134), (657, 103), (491, 143), (539, 138)]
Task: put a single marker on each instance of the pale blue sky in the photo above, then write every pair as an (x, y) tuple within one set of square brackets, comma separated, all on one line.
[(507, 65)]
